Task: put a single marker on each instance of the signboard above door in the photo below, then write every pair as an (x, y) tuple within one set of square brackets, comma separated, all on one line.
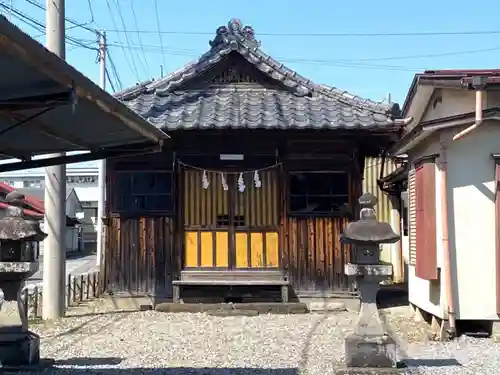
[(232, 157)]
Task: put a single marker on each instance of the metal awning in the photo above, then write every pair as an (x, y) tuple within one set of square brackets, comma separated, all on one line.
[(47, 106)]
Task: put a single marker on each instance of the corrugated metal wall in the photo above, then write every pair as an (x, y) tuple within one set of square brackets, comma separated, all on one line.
[(373, 167)]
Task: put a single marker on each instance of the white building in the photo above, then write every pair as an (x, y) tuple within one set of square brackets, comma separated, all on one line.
[(453, 151), (82, 177)]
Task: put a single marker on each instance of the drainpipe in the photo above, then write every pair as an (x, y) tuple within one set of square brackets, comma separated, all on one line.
[(479, 83), (448, 281)]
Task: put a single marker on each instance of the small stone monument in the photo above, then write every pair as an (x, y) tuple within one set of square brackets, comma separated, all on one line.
[(19, 240), (370, 350)]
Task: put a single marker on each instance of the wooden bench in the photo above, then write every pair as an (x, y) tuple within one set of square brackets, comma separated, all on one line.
[(218, 279)]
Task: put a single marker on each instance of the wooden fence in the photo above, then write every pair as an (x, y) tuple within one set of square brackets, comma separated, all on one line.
[(79, 288)]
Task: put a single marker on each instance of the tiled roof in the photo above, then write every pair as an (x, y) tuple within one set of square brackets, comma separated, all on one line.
[(299, 104), (33, 202), (35, 209), (251, 108)]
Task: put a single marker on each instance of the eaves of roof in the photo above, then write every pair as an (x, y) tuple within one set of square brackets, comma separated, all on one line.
[(424, 129), (457, 78)]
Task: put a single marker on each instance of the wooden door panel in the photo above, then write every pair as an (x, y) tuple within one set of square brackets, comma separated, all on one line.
[(206, 221), (230, 229), (206, 249)]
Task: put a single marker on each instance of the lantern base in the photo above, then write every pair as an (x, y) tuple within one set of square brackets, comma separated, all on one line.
[(370, 351), (19, 349)]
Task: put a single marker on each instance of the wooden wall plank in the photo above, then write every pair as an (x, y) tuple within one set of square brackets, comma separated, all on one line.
[(314, 257), (139, 255)]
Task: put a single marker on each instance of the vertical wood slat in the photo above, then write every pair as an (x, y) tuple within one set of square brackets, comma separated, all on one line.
[(313, 255), (140, 255), (426, 246), (412, 217)]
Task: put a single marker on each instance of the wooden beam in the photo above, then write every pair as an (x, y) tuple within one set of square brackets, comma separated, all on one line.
[(118, 152)]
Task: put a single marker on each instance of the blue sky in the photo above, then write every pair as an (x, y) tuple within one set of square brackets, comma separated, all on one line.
[(369, 66)]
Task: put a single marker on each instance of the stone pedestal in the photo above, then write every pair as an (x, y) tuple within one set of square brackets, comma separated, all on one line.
[(370, 350), (19, 244), (378, 351), (18, 346), (370, 345), (19, 349)]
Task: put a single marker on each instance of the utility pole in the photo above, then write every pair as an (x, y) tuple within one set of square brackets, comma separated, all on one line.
[(101, 179), (54, 248)]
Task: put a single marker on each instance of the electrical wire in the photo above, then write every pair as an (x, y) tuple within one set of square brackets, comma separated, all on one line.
[(130, 63), (361, 62), (159, 33), (127, 38), (148, 70), (76, 24), (109, 79), (307, 62), (114, 71), (39, 26), (397, 34), (316, 62)]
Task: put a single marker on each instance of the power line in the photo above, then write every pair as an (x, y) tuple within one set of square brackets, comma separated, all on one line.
[(398, 34), (126, 36), (114, 71), (139, 37), (109, 79), (361, 62), (91, 10), (76, 24), (130, 62), (159, 33), (40, 27), (298, 61)]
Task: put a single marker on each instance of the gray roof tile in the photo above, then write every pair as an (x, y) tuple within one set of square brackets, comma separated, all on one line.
[(303, 104)]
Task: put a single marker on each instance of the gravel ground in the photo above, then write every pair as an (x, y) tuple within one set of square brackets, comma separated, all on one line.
[(160, 343)]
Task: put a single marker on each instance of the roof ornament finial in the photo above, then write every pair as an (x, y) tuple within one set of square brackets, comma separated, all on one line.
[(234, 32)]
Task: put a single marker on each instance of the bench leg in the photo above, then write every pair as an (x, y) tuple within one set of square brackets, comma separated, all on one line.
[(284, 293), (177, 293)]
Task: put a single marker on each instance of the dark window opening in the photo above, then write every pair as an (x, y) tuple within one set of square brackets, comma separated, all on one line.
[(404, 213), (319, 193), (223, 221), (239, 221), (140, 192)]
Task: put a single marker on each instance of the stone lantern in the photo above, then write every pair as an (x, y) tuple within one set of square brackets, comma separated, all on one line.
[(19, 241), (370, 346)]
